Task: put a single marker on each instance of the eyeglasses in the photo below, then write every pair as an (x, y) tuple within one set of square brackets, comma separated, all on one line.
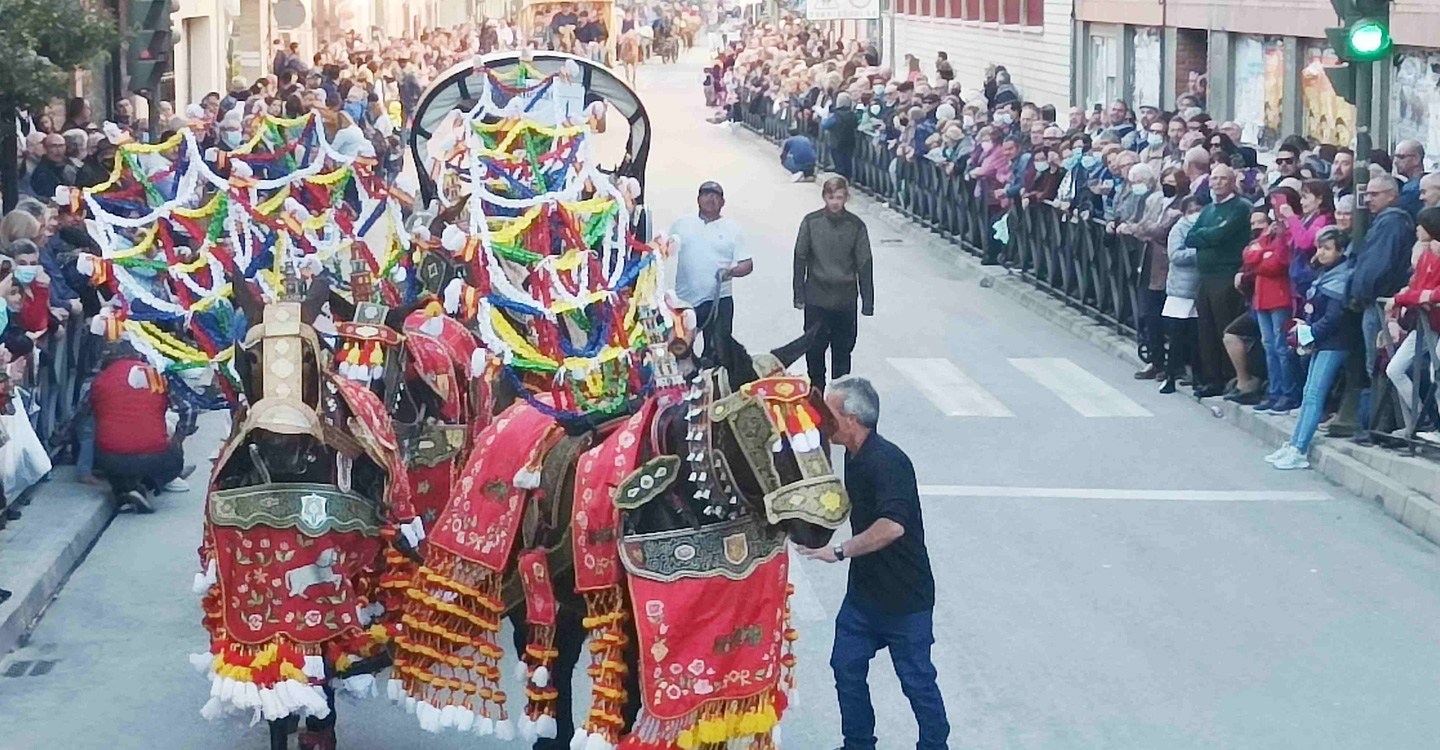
[(1284, 160)]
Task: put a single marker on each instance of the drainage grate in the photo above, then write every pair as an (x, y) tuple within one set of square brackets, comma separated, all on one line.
[(30, 667)]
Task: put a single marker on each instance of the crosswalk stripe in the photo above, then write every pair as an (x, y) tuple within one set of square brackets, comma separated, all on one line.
[(1089, 493), (1085, 393), (953, 392)]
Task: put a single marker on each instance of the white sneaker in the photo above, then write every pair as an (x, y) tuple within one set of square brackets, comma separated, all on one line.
[(177, 485), (1273, 457), (1292, 459), (797, 177)]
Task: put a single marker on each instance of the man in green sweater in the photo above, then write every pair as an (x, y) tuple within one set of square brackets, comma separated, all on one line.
[(1219, 237), (833, 276)]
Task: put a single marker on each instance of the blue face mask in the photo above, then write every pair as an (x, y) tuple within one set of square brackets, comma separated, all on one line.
[(1071, 161), (142, 271), (1089, 161), (26, 274)]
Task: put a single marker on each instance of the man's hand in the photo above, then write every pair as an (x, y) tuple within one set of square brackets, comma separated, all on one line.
[(823, 554), (724, 274)]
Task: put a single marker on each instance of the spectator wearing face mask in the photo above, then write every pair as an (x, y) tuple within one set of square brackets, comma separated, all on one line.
[(36, 314), (1182, 282), (841, 125), (1153, 228)]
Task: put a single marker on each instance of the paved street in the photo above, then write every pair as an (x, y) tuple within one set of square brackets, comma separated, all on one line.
[(1116, 569)]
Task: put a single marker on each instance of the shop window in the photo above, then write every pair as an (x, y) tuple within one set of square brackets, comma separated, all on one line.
[(972, 10), (992, 10), (956, 9)]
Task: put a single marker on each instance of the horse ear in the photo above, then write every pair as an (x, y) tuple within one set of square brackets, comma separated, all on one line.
[(788, 353)]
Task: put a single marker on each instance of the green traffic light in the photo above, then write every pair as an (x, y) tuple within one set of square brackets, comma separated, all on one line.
[(1367, 37)]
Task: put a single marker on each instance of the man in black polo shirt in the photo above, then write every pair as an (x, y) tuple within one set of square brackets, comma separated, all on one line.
[(890, 600)]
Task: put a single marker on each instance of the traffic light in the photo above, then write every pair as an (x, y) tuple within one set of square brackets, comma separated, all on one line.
[(1364, 35), (151, 46)]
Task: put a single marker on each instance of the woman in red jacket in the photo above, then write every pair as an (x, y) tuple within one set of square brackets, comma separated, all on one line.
[(1421, 294), (1267, 260)]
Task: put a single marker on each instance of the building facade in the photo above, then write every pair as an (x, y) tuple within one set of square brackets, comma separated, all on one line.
[(1261, 65), (1031, 38)]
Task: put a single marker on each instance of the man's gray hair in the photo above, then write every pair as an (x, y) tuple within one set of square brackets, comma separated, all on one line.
[(1387, 183), (858, 399)]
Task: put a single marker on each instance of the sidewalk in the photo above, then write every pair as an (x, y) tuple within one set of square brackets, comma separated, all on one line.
[(64, 520), (1405, 486), (38, 551)]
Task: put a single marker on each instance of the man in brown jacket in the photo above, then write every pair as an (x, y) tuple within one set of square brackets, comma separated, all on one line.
[(833, 277)]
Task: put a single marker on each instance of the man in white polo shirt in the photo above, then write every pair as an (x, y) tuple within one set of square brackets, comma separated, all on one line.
[(712, 252)]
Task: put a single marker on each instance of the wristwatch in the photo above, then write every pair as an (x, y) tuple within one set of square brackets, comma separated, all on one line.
[(839, 551)]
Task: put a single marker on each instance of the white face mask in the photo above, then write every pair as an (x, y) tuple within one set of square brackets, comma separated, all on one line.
[(1042, 167), (1156, 140), (1140, 188), (1003, 118), (969, 121)]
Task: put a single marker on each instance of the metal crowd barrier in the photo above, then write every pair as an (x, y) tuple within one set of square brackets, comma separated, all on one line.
[(1063, 252)]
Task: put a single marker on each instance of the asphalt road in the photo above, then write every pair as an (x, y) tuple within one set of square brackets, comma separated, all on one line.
[(1116, 569)]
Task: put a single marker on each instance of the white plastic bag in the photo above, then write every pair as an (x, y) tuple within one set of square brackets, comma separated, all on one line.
[(23, 460)]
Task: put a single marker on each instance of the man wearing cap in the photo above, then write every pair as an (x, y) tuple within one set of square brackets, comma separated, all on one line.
[(712, 252)]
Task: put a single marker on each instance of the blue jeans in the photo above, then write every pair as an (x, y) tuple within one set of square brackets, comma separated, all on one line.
[(859, 634), (1324, 366), (1369, 330), (794, 167), (1280, 360)]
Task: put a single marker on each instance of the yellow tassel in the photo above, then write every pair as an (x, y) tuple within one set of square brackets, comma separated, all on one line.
[(686, 740)]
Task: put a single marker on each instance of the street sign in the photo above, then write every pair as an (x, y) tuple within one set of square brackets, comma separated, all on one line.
[(835, 10)]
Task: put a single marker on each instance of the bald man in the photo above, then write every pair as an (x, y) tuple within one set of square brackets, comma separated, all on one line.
[(50, 172), (1410, 167), (1430, 190)]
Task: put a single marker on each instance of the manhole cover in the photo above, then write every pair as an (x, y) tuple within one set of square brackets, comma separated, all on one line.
[(18, 668)]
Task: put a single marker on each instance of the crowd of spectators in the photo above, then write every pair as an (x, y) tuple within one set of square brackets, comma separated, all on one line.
[(1250, 286)]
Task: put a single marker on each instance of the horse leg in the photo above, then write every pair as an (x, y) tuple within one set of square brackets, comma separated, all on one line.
[(280, 731), (319, 734), (569, 642)]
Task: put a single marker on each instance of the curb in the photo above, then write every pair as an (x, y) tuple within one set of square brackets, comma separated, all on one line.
[(40, 550), (1402, 485)]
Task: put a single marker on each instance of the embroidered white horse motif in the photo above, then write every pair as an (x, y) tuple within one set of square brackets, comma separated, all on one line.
[(302, 578)]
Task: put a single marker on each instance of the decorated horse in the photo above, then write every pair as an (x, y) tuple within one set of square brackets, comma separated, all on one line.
[(630, 492)]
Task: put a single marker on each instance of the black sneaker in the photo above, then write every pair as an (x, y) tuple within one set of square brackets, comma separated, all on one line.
[(1167, 387)]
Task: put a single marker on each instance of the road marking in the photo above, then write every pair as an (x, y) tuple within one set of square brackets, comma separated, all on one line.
[(1086, 493), (805, 604), (1085, 393), (953, 392)]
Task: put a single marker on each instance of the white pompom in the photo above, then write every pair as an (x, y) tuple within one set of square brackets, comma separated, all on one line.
[(527, 728), (522, 671), (447, 716), (212, 709), (597, 741), (578, 741), (452, 295), (464, 719), (252, 695), (542, 676), (526, 479), (392, 690), (410, 704), (270, 705), (504, 730), (453, 238), (397, 274), (201, 662), (433, 326), (484, 726), (199, 586), (775, 736), (545, 727), (217, 684), (477, 363)]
